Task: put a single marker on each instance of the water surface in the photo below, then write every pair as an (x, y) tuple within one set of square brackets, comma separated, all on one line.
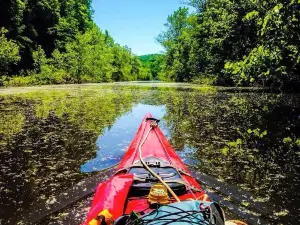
[(53, 137)]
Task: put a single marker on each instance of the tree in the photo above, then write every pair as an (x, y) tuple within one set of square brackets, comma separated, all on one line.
[(154, 63), (234, 42), (174, 27), (9, 53), (39, 58), (91, 57), (47, 23), (75, 16), (11, 17), (275, 58)]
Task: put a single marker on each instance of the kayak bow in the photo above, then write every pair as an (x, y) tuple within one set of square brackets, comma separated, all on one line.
[(150, 178)]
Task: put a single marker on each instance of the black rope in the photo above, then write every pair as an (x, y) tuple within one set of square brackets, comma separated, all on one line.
[(181, 219), (187, 217)]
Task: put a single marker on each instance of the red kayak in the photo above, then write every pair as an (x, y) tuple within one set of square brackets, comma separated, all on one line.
[(151, 178)]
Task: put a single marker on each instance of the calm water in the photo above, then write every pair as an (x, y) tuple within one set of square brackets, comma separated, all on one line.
[(53, 137), (112, 145)]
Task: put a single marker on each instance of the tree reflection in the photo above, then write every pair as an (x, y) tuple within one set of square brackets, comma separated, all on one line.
[(239, 138), (46, 138), (250, 139)]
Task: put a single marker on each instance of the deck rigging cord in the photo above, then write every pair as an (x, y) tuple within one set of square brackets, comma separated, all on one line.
[(152, 126), (182, 216)]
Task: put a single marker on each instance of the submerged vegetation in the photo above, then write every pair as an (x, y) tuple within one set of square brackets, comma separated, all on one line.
[(246, 138), (46, 136), (250, 139)]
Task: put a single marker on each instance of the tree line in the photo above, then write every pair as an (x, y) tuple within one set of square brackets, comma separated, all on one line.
[(220, 42), (153, 62), (46, 41), (233, 42)]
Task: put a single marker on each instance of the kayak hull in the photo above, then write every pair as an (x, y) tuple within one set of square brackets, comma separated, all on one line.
[(121, 195)]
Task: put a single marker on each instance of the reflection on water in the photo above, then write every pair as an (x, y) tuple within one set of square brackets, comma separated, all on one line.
[(114, 142), (51, 139)]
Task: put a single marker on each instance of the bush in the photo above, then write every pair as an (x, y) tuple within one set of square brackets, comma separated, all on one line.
[(20, 81), (205, 80)]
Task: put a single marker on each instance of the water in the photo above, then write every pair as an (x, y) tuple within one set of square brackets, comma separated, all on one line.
[(114, 142), (112, 145), (53, 137)]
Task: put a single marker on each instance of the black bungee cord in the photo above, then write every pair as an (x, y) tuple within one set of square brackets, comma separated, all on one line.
[(191, 214)]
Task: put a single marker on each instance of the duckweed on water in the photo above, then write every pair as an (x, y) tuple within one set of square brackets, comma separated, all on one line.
[(249, 139)]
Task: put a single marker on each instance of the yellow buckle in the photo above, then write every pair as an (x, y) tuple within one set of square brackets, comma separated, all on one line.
[(158, 194)]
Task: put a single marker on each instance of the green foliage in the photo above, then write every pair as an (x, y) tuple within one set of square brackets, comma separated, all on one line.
[(39, 59), (256, 133), (223, 42), (174, 27), (234, 42), (276, 57), (154, 63), (90, 57), (59, 43), (46, 23), (9, 53), (287, 140), (204, 80), (297, 142), (174, 40)]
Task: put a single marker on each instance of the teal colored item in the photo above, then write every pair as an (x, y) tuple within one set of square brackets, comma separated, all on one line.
[(179, 213)]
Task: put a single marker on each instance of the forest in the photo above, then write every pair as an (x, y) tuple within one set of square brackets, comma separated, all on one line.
[(54, 42), (233, 42), (214, 42), (154, 63)]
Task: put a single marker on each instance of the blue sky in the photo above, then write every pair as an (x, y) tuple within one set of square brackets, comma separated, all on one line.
[(135, 23)]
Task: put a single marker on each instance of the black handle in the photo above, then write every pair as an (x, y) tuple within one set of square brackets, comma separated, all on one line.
[(153, 119)]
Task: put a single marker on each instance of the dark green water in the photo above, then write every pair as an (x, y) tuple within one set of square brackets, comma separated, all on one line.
[(52, 138)]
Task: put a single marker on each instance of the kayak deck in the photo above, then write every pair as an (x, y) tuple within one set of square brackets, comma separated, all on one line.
[(156, 146), (128, 188)]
